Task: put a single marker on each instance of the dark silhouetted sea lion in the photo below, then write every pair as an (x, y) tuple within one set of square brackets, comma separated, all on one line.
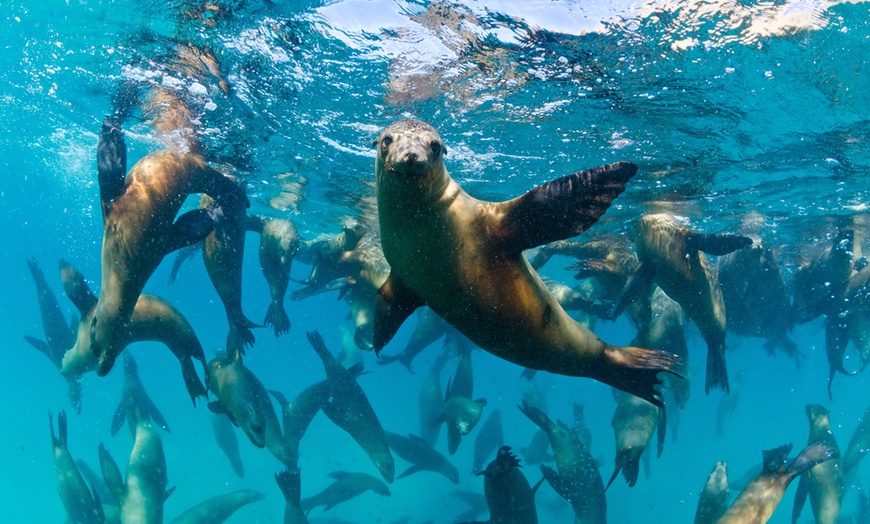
[(218, 509), (757, 502), (290, 483), (463, 258), (81, 504), (422, 456), (672, 256), (297, 415), (430, 327), (510, 498), (346, 486), (431, 401), (140, 227), (823, 482), (227, 441), (135, 399), (858, 445), (490, 438)]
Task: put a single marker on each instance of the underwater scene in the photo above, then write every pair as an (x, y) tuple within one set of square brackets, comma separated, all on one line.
[(384, 261)]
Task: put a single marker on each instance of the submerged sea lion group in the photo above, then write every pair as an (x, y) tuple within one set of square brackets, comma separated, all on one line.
[(462, 260)]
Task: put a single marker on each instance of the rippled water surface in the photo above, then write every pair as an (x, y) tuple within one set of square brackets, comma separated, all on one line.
[(738, 114)]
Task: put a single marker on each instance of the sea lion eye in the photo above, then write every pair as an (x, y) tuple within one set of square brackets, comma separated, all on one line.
[(385, 142), (436, 147)]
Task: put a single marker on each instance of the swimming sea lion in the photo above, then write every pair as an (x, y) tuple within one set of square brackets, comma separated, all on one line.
[(489, 438), (133, 398), (141, 496), (823, 482), (59, 335), (81, 504), (664, 331), (297, 415), (152, 319), (461, 414), (476, 501), (510, 498), (578, 480), (713, 500), (346, 486), (431, 401), (672, 256), (634, 422), (279, 242), (757, 502), (422, 456), (140, 226), (218, 509), (226, 439), (290, 483), (348, 407), (463, 258), (858, 445)]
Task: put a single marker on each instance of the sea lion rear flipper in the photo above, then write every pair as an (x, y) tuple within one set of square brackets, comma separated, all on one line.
[(635, 370), (717, 244), (189, 228), (111, 162), (717, 370), (119, 417), (39, 344), (800, 498), (111, 474), (661, 430), (562, 208), (183, 254), (393, 306), (640, 283), (290, 485), (410, 471)]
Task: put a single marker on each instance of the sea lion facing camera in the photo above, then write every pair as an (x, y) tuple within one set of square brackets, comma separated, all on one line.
[(463, 258)]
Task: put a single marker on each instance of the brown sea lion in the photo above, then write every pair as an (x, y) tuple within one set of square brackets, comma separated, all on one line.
[(463, 258), (80, 503), (153, 319), (279, 242), (823, 482), (713, 500), (757, 502), (140, 227), (634, 422), (672, 256)]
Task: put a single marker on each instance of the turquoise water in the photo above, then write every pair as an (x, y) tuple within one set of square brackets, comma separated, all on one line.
[(728, 108)]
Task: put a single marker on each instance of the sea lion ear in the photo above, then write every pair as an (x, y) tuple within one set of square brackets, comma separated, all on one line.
[(375, 143)]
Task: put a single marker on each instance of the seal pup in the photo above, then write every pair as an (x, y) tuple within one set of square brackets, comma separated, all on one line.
[(578, 480), (713, 500), (59, 335), (463, 258), (152, 319), (81, 504), (348, 407), (133, 398), (672, 257), (227, 441), (346, 486), (219, 508), (634, 423), (823, 482), (140, 227), (290, 483), (757, 502), (243, 398), (510, 498), (140, 497), (421, 455)]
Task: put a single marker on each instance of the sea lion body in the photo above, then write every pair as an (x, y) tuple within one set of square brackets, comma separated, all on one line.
[(81, 505), (422, 456), (218, 509), (713, 501), (279, 242), (346, 486), (634, 422), (228, 442), (463, 258), (823, 482), (510, 498), (490, 438), (757, 502), (140, 228), (290, 483), (664, 331)]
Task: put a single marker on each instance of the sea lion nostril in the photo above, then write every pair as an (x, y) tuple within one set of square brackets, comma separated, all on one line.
[(411, 157)]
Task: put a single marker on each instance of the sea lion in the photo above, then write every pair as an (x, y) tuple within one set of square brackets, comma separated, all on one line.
[(757, 502), (578, 480), (463, 258), (430, 327), (219, 508), (348, 407), (152, 319), (227, 441), (460, 413), (325, 254), (140, 226), (672, 256), (422, 456), (290, 483), (59, 335), (297, 415), (823, 482), (243, 398), (664, 331), (279, 242), (510, 498), (489, 438), (538, 450), (431, 401), (346, 486), (713, 500), (141, 496), (858, 445), (133, 398), (81, 504), (634, 422)]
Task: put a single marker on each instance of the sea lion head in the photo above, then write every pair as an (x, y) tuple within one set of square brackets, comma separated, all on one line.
[(409, 151)]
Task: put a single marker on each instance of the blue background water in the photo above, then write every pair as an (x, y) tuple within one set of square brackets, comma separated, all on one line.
[(728, 108)]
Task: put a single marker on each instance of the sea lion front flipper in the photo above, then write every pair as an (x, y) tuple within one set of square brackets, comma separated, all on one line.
[(638, 284), (183, 254), (111, 474), (561, 208), (800, 498), (393, 306), (39, 344), (111, 163), (635, 370), (189, 228), (717, 244), (218, 408)]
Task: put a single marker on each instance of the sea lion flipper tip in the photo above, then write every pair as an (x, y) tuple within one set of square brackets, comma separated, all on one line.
[(562, 208), (635, 370)]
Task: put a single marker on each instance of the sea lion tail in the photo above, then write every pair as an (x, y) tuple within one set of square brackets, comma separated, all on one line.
[(635, 370), (277, 317)]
